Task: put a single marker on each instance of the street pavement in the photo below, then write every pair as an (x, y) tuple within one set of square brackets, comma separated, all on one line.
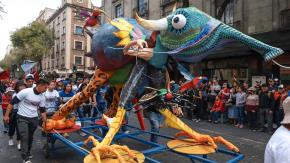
[(252, 144)]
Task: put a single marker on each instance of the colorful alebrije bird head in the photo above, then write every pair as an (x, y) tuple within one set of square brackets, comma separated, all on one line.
[(182, 26)]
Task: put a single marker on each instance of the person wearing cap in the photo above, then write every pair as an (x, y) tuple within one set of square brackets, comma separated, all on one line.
[(29, 80), (277, 99), (30, 101), (265, 112), (277, 149), (252, 103), (6, 97), (20, 85)]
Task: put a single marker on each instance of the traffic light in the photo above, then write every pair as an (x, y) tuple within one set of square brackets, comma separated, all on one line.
[(74, 68)]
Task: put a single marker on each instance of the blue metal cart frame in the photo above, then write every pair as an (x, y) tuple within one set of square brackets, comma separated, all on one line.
[(134, 135)]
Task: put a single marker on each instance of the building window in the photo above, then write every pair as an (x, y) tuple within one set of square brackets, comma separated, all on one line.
[(119, 11), (63, 45), (143, 7), (78, 45), (285, 19), (57, 48), (63, 30), (78, 30), (78, 60), (58, 20), (63, 15)]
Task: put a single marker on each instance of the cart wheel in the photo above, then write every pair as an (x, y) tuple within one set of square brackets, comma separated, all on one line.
[(46, 150)]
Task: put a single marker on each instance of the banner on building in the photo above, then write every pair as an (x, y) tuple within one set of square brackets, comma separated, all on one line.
[(258, 79)]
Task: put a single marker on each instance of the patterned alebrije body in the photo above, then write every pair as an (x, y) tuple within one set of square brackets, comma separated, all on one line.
[(96, 82), (118, 33), (200, 36), (116, 98), (195, 40)]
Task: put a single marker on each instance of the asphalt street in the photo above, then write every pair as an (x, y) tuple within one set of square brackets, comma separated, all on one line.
[(252, 144)]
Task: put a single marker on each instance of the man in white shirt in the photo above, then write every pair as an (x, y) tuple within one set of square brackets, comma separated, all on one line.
[(29, 101), (51, 98), (278, 147)]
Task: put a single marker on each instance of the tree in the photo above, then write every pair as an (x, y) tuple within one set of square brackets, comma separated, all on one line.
[(33, 41), (2, 9)]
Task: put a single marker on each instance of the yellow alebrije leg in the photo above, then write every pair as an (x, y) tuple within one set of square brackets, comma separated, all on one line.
[(99, 79), (228, 144), (115, 126), (172, 121), (116, 98)]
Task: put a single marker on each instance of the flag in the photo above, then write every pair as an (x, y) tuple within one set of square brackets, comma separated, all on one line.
[(26, 67)]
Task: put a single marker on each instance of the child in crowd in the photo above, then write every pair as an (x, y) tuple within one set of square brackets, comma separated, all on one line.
[(216, 110), (6, 97)]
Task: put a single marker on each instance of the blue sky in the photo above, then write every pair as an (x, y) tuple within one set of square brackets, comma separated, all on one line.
[(20, 13)]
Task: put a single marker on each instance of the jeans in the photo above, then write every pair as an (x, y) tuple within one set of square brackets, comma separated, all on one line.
[(126, 119), (27, 127), (279, 114), (252, 118), (215, 115), (6, 125), (13, 125), (265, 115), (155, 119), (241, 117)]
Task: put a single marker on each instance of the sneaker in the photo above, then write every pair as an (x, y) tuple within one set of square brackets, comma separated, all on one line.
[(66, 135), (19, 146), (26, 161), (10, 142), (237, 125), (215, 122), (83, 134), (30, 156), (241, 126), (126, 132), (197, 120)]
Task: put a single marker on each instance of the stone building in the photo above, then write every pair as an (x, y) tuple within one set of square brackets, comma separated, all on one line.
[(266, 20), (70, 43)]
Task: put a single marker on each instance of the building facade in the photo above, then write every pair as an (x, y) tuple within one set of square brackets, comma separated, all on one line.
[(45, 14), (266, 20), (70, 43)]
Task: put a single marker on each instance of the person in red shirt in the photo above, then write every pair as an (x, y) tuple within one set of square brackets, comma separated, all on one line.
[(225, 93), (216, 110), (6, 97)]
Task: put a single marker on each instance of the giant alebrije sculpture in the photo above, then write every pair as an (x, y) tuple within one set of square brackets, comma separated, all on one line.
[(186, 35)]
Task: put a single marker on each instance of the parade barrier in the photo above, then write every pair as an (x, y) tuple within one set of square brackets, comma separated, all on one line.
[(135, 134)]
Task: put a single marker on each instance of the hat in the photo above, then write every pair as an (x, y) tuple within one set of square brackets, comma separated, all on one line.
[(286, 107), (276, 79), (9, 89), (29, 77), (58, 80), (251, 89), (172, 82), (281, 86), (264, 85)]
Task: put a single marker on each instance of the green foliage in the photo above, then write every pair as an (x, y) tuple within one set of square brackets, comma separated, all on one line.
[(32, 41)]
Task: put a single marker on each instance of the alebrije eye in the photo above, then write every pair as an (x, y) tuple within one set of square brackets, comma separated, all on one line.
[(178, 21)]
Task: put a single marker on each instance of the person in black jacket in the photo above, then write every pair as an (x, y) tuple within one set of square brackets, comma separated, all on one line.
[(265, 111)]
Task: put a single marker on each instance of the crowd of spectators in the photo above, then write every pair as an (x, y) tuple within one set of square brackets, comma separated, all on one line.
[(259, 107)]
